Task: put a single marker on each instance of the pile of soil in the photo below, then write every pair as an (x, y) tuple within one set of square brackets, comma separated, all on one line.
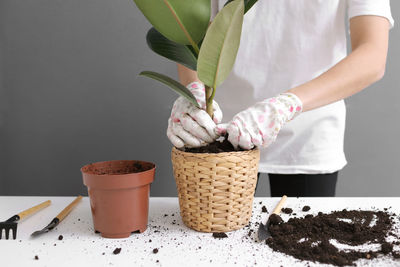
[(310, 238), (215, 147)]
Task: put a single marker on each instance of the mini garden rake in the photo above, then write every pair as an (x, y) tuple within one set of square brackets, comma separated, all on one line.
[(11, 224)]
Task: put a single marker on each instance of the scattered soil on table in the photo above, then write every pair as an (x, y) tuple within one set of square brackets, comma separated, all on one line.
[(117, 251), (264, 209), (134, 167), (36, 257), (311, 238), (306, 208), (287, 210), (250, 232), (60, 237), (219, 235), (155, 251), (215, 147)]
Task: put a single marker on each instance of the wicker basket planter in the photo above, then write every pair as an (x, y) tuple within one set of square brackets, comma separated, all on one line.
[(215, 191)]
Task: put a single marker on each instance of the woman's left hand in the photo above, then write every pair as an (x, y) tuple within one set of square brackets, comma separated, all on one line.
[(260, 124)]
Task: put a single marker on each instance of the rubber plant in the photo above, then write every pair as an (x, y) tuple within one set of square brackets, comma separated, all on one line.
[(182, 33)]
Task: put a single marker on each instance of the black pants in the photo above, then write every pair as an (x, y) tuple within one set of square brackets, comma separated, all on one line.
[(303, 185)]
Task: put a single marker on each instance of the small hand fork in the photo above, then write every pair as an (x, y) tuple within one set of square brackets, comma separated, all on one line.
[(11, 224)]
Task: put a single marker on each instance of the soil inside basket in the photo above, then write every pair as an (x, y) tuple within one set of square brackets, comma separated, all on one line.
[(134, 167), (215, 147), (319, 238)]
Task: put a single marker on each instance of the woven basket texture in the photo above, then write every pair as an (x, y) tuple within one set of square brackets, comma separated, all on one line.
[(215, 191)]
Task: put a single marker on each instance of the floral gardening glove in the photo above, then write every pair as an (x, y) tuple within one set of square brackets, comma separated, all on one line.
[(260, 124), (191, 126)]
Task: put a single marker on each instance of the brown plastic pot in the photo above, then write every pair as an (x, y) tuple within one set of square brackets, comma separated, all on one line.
[(119, 195)]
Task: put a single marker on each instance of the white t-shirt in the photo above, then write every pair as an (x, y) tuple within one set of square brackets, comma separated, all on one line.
[(286, 43)]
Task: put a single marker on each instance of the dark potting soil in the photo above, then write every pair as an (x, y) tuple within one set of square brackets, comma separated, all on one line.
[(117, 251), (219, 235), (264, 209), (306, 208), (386, 248), (287, 210), (36, 257), (275, 219), (135, 167), (155, 251), (215, 147), (60, 237), (309, 238)]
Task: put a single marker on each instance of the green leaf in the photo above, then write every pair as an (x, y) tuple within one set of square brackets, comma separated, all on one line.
[(182, 21), (177, 52), (247, 4), (174, 85), (220, 45)]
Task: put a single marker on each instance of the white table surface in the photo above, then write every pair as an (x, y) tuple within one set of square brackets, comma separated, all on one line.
[(177, 244)]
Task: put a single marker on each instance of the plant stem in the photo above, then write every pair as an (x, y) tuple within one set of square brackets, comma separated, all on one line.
[(195, 47), (209, 101)]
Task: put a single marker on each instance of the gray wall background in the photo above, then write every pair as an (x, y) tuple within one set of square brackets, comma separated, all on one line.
[(70, 95)]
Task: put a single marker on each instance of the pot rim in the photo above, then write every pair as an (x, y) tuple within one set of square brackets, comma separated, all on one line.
[(119, 175), (255, 149), (118, 181)]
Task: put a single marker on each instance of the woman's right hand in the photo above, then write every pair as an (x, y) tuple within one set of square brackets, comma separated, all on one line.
[(190, 126)]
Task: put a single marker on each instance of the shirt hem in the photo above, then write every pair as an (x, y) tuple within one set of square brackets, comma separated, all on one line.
[(301, 169)]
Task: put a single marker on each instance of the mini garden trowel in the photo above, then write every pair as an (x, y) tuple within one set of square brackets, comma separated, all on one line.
[(263, 232), (58, 218)]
